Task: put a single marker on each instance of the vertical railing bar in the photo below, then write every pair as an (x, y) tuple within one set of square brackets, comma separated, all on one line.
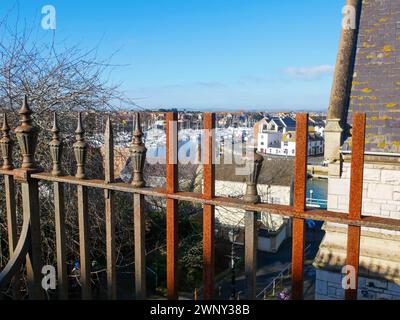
[(140, 249), (80, 149), (9, 187), (27, 134), (6, 145), (208, 210), (138, 158), (299, 204), (251, 247), (355, 204), (109, 208), (11, 213), (30, 204), (60, 240), (83, 221), (172, 205), (56, 147), (254, 163)]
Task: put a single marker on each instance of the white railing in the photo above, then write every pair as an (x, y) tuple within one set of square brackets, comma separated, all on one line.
[(276, 283), (316, 203)]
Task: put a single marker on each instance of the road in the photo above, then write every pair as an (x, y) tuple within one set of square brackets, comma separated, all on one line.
[(269, 265)]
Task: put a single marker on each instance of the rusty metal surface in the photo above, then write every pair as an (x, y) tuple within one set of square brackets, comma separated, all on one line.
[(250, 257), (353, 257), (284, 210), (84, 261), (30, 176), (208, 210), (30, 204), (172, 206), (11, 214), (172, 152), (18, 257), (300, 169), (357, 166), (9, 187), (298, 259), (140, 249), (208, 156), (109, 211), (356, 193), (299, 206), (62, 278)]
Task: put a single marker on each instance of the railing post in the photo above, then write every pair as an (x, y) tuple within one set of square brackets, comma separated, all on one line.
[(56, 153), (109, 208), (253, 163), (80, 150), (27, 138), (208, 210), (356, 193), (299, 204), (138, 157), (6, 145), (172, 206)]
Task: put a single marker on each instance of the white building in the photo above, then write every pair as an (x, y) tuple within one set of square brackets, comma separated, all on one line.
[(317, 124), (286, 146), (269, 140)]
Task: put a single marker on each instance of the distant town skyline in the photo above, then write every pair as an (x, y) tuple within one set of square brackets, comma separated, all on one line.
[(205, 55)]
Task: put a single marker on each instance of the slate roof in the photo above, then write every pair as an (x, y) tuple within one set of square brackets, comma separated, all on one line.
[(275, 171), (376, 80), (288, 122)]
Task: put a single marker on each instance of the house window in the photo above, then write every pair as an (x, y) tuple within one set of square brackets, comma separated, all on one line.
[(262, 143)]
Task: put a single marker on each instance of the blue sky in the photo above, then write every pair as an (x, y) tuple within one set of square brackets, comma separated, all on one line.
[(207, 54)]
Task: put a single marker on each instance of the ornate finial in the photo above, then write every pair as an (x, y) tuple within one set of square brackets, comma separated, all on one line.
[(56, 148), (27, 135), (6, 145), (25, 107), (80, 149), (138, 154), (254, 163)]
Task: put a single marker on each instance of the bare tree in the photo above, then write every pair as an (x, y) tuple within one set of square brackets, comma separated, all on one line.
[(62, 79)]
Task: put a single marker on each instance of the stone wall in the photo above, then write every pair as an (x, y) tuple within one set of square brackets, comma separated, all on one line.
[(380, 257), (268, 194), (381, 195), (328, 287)]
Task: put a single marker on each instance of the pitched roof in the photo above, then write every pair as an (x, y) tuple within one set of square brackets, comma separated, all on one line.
[(275, 171), (288, 122), (376, 81)]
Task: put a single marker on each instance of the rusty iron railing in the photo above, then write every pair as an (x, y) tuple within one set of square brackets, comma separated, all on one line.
[(27, 250)]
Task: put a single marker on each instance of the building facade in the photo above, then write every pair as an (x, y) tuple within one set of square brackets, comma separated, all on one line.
[(284, 144), (366, 80)]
